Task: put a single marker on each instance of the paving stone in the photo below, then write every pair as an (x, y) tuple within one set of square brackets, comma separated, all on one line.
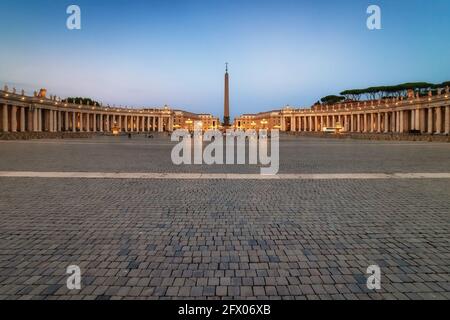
[(221, 239)]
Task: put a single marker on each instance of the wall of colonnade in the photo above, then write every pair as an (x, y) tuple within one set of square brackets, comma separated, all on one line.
[(429, 115), (20, 113)]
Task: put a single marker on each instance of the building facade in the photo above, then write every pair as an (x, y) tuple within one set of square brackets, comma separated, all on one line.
[(186, 120), (38, 113), (262, 120), (425, 114)]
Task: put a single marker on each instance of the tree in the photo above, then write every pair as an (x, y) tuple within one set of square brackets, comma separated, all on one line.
[(80, 100), (332, 99)]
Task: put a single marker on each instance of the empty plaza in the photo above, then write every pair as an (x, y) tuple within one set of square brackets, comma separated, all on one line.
[(139, 226)]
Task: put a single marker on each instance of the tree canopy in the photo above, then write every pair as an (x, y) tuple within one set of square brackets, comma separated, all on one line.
[(81, 100), (400, 90), (331, 99)]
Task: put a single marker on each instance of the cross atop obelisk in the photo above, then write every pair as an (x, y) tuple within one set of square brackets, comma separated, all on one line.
[(226, 105)]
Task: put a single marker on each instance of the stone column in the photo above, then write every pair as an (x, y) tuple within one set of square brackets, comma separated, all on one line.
[(386, 122), (35, 119), (417, 120), (422, 124), (55, 115), (81, 122), (402, 121), (438, 120), (30, 121), (125, 119), (39, 126), (365, 122), (392, 122), (447, 120), (58, 121), (5, 118), (397, 121), (131, 124), (379, 122), (430, 120), (22, 119), (13, 119), (66, 121), (88, 124), (58, 127), (154, 123), (148, 124), (120, 122), (292, 124), (50, 121), (74, 122), (52, 125), (160, 125)]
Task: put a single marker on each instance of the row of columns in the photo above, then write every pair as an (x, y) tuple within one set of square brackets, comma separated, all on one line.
[(432, 120), (21, 119)]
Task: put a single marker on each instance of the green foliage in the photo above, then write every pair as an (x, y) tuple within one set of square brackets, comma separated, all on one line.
[(331, 99), (444, 84), (382, 92), (81, 100)]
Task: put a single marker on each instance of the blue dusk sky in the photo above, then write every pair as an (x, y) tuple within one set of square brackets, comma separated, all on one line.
[(151, 53)]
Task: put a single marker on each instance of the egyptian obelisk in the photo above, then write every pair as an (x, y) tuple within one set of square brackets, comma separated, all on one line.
[(226, 105)]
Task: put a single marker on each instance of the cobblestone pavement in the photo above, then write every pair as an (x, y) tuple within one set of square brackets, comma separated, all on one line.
[(297, 155), (223, 239)]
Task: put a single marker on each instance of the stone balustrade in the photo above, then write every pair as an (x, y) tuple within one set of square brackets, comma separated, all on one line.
[(21, 113), (428, 115)]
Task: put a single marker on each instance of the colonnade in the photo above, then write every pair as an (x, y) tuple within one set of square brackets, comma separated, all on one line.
[(20, 113), (428, 116)]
